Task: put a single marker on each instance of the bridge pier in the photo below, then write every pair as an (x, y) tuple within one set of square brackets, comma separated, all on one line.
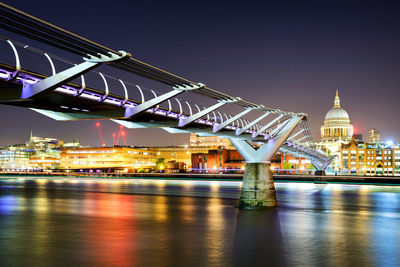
[(258, 189)]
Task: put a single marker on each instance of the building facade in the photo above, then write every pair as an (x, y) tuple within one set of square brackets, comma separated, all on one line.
[(179, 154), (374, 136), (37, 154), (371, 159), (211, 142), (294, 165), (108, 159), (230, 160), (15, 158), (221, 160)]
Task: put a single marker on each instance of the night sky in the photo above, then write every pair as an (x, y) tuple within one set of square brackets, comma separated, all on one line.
[(288, 55)]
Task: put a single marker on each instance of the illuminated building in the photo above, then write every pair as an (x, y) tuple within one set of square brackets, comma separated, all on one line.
[(294, 165), (211, 142), (224, 160), (15, 158), (178, 154), (44, 145), (72, 144), (218, 160), (374, 136), (109, 159), (372, 159), (38, 153), (335, 131), (44, 163)]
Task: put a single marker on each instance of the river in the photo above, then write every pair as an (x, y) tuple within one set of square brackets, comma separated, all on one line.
[(145, 222)]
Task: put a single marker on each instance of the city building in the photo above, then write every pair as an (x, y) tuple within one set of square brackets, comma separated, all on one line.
[(45, 146), (37, 154), (211, 142), (293, 165), (73, 144), (221, 160), (372, 159), (374, 136), (179, 154), (15, 158), (108, 159), (44, 163), (335, 131), (226, 161)]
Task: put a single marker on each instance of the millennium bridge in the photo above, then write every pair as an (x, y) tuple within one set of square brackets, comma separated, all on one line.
[(258, 132)]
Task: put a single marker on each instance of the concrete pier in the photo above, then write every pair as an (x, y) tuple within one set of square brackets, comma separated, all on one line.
[(258, 190)]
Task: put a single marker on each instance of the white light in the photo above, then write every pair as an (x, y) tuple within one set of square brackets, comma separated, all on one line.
[(4, 75), (65, 90)]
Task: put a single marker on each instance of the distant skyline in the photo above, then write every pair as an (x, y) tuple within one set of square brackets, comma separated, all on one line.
[(288, 55)]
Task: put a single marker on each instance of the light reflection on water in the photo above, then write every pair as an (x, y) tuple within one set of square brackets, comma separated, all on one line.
[(103, 222)]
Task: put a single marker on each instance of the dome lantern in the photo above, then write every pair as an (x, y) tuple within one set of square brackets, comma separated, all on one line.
[(337, 100)]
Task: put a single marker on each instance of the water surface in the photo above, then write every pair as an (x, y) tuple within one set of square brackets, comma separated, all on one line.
[(59, 222)]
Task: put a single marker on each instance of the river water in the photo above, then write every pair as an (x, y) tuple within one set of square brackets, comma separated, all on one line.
[(94, 222)]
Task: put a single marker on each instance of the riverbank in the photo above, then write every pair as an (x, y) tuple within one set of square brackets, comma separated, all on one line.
[(387, 180)]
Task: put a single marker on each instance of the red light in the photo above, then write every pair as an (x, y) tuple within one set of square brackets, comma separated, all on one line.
[(113, 134), (98, 124), (123, 133)]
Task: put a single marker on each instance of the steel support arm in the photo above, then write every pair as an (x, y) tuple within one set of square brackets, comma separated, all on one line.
[(267, 150), (245, 128), (298, 140), (229, 121), (131, 112), (296, 134), (267, 126), (278, 128), (49, 84), (198, 115)]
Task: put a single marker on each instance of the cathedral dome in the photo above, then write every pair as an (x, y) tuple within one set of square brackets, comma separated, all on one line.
[(337, 114), (337, 124)]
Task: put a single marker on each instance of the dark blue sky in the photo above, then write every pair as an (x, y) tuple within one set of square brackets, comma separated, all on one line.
[(292, 55)]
